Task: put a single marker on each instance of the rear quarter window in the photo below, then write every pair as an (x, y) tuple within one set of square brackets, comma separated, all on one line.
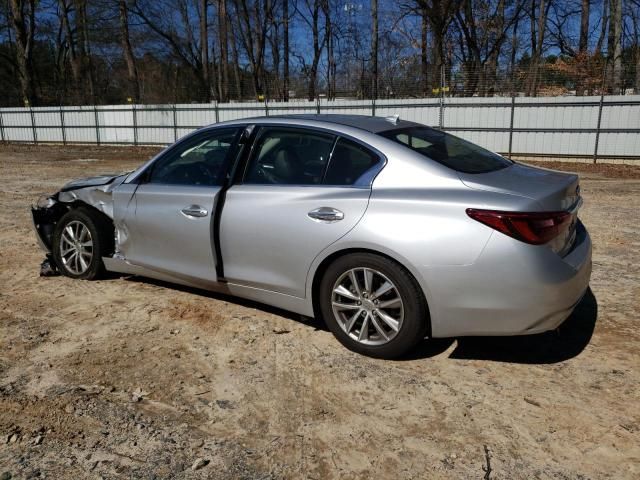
[(447, 149), (348, 163)]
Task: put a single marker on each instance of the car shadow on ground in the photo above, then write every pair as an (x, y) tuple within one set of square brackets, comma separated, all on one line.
[(564, 343), (317, 324)]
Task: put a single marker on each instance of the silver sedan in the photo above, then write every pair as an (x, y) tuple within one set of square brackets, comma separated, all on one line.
[(389, 230)]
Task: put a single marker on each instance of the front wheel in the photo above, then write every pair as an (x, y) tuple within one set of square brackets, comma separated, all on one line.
[(80, 240), (373, 305)]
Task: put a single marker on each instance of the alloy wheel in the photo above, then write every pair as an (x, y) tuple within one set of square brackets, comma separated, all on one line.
[(367, 306), (76, 247)]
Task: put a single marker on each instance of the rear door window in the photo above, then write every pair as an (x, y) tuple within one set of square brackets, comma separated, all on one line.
[(449, 150), (289, 156)]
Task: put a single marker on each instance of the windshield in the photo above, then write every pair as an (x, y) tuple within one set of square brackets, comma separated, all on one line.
[(448, 150)]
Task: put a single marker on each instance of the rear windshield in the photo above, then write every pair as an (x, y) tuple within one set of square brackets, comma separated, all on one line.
[(448, 150)]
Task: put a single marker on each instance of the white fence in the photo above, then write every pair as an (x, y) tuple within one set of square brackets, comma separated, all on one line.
[(580, 127)]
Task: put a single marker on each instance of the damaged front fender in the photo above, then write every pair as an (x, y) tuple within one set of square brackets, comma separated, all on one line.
[(96, 192)]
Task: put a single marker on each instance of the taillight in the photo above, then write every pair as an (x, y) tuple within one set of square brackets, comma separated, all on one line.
[(535, 228)]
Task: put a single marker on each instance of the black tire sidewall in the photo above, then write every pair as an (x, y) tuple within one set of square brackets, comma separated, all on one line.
[(96, 266), (416, 316)]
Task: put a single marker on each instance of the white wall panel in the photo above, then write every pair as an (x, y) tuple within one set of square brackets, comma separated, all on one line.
[(479, 120)]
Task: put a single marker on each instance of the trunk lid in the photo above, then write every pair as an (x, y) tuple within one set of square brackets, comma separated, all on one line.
[(553, 191)]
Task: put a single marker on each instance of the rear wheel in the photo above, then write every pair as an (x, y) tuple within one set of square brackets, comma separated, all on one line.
[(373, 305), (81, 238)]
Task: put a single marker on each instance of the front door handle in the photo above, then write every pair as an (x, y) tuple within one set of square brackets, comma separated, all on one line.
[(326, 214), (194, 211)]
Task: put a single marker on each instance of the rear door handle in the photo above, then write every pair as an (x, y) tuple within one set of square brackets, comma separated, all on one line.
[(194, 211), (326, 214)]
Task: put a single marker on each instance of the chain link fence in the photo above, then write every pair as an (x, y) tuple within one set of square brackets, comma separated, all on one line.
[(547, 115)]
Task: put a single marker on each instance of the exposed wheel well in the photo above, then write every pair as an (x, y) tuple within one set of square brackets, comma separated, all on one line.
[(322, 268), (61, 209), (104, 220)]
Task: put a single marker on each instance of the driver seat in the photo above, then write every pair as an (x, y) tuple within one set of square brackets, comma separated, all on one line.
[(287, 167)]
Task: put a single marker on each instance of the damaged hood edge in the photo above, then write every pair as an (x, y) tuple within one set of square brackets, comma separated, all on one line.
[(93, 181), (94, 191)]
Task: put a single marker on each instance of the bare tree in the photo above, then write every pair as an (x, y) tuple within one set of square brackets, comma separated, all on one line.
[(23, 14), (374, 48), (604, 21), (329, 22), (440, 14), (538, 22), (252, 23), (285, 39), (312, 18), (485, 27), (614, 46), (181, 39), (223, 41), (424, 51), (204, 47), (583, 44), (634, 13), (132, 70)]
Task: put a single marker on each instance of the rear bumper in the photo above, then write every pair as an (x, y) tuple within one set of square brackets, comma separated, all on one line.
[(512, 289)]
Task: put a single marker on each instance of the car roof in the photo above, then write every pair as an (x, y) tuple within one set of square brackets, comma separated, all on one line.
[(362, 122)]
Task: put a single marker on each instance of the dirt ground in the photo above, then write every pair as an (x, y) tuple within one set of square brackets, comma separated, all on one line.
[(131, 378)]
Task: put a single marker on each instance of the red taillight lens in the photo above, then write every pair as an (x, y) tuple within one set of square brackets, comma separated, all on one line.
[(535, 228)]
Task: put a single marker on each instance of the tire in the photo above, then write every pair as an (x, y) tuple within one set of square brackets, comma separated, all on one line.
[(339, 302), (92, 227)]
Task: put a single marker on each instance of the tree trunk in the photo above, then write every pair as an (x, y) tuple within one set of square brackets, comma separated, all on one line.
[(583, 43), (514, 49), (132, 71), (204, 50), (274, 88), (24, 28), (71, 47), (317, 50), (637, 80), (83, 53), (584, 27), (224, 50), (236, 68), (614, 47), (490, 73), (537, 39), (285, 33), (374, 49), (424, 55), (603, 26), (438, 54), (331, 62)]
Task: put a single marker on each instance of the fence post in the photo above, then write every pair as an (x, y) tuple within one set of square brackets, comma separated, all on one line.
[(33, 126), (513, 111), (135, 125), (97, 124), (373, 107), (595, 148), (266, 107), (318, 104), (175, 123), (64, 133), (2, 128), (217, 111), (441, 113)]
